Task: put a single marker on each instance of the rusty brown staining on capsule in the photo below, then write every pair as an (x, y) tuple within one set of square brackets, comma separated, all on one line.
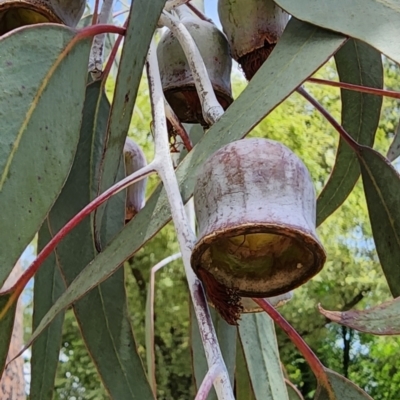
[(225, 300)]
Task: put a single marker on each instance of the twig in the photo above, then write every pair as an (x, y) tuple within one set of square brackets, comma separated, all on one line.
[(98, 29), (171, 4), (313, 361), (95, 12), (177, 126), (199, 13), (113, 55), (149, 322), (207, 383), (281, 299), (96, 58), (357, 88), (118, 13), (211, 108), (185, 235), (343, 134)]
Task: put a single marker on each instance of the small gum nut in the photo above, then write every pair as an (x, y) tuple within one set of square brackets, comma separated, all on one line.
[(253, 28), (17, 13), (256, 212), (134, 160), (177, 80)]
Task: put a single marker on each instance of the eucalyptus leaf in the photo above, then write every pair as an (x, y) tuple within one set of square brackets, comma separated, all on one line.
[(301, 50), (48, 287), (293, 392), (383, 319), (260, 348), (103, 309), (375, 22), (134, 52), (41, 113), (342, 388), (244, 388), (6, 326), (382, 191), (360, 64)]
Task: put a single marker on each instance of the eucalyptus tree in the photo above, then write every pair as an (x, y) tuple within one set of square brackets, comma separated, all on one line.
[(69, 173)]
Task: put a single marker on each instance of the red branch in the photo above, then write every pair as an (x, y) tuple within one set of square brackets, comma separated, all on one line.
[(72, 223), (112, 55), (93, 30), (312, 360), (357, 88), (95, 12), (344, 135)]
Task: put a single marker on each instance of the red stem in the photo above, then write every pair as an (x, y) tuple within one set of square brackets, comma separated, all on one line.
[(95, 12), (48, 249), (112, 55), (344, 135), (197, 12), (357, 88), (93, 30), (177, 125), (313, 361)]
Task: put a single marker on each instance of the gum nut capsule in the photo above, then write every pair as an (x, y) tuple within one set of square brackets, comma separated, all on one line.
[(177, 80), (134, 160), (17, 13), (256, 212), (252, 27)]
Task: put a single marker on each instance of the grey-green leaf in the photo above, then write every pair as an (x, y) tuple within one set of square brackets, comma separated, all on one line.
[(104, 308), (48, 287), (260, 348), (360, 64), (382, 190), (41, 114), (227, 340), (134, 52), (293, 392), (343, 388), (244, 388), (6, 326), (375, 22), (301, 50)]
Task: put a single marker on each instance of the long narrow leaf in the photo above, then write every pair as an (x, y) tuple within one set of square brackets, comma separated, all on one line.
[(375, 22), (360, 64), (293, 392), (343, 388), (382, 190), (244, 388), (6, 328), (260, 348), (104, 309), (41, 114), (134, 52), (383, 319), (49, 285)]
